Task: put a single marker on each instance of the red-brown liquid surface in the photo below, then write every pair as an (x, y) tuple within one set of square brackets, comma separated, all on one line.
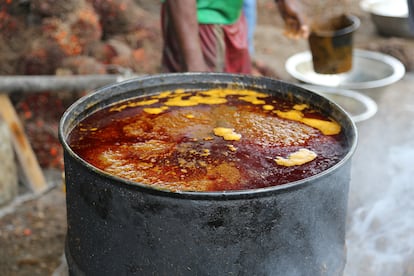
[(177, 149)]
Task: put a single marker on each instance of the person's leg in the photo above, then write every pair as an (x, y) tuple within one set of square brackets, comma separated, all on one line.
[(212, 43), (213, 46), (225, 48), (171, 61)]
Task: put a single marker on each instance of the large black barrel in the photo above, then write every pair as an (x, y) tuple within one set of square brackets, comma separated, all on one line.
[(118, 227)]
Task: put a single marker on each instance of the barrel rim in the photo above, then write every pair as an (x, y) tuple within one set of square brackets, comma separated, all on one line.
[(98, 96)]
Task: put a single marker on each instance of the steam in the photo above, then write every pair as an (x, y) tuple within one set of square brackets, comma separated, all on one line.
[(380, 235)]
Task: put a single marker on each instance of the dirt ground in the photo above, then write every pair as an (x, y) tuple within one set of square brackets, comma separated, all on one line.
[(32, 228)]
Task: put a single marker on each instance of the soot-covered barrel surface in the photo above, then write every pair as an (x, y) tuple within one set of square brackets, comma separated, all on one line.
[(118, 226)]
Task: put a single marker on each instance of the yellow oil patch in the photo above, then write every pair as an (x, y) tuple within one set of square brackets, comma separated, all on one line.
[(213, 96), (294, 115), (162, 95), (326, 127), (253, 93), (252, 99), (297, 158), (228, 134), (179, 101), (183, 98), (207, 100), (224, 92), (134, 104), (155, 110), (180, 91), (218, 92), (300, 107), (268, 107)]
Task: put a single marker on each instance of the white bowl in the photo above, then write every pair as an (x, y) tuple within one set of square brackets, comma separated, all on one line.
[(369, 70), (359, 106), (390, 17)]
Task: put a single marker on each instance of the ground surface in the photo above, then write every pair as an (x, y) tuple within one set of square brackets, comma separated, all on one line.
[(32, 229)]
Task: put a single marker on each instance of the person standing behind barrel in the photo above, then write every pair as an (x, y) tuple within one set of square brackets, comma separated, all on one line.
[(211, 35)]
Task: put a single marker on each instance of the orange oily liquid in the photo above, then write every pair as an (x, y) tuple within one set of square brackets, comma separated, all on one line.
[(211, 140)]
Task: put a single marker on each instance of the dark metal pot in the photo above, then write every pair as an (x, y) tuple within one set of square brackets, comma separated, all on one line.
[(118, 227), (332, 48)]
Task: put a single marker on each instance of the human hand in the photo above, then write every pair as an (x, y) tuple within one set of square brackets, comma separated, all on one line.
[(295, 26)]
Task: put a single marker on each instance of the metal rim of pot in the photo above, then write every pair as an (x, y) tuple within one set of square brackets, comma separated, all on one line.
[(99, 96)]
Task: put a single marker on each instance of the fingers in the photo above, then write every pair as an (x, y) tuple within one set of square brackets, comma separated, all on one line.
[(294, 29), (294, 21)]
